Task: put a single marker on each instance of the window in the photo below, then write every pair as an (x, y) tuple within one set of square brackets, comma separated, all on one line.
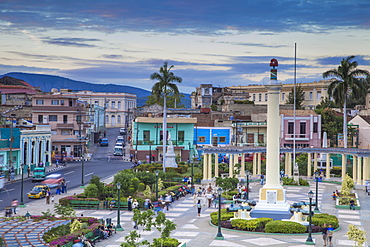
[(53, 118), (106, 118), (65, 119), (40, 118), (290, 128), (201, 139), (250, 138), (96, 102), (64, 132), (61, 102), (310, 95), (302, 129), (181, 136), (282, 96), (39, 102), (78, 118), (254, 97), (266, 95), (146, 134), (261, 138), (318, 94), (119, 118), (113, 104), (259, 97), (315, 127), (54, 102), (222, 139), (119, 105)]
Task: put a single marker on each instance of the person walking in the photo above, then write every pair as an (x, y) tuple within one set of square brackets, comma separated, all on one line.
[(199, 207), (28, 171), (209, 197), (14, 205), (129, 203), (262, 179), (48, 197), (329, 233), (324, 231)]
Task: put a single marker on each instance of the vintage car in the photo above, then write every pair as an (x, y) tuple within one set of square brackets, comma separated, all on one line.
[(53, 180), (39, 191)]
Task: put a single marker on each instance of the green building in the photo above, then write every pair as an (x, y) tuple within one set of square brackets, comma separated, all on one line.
[(147, 137)]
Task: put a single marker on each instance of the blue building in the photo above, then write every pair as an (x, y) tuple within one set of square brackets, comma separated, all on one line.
[(212, 136)]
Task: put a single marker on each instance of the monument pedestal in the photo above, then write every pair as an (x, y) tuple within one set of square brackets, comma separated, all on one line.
[(272, 204)]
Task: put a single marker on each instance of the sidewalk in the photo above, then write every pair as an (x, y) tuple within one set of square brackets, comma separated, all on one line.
[(196, 231)]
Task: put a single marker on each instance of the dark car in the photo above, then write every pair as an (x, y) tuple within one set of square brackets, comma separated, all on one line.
[(104, 142)]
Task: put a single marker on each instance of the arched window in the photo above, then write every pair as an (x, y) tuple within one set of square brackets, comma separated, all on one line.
[(119, 119), (107, 118)]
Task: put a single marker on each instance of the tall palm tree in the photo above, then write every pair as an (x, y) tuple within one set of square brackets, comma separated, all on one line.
[(345, 81), (165, 80)]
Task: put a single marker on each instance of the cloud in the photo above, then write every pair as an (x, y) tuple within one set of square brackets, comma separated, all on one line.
[(76, 42), (335, 61)]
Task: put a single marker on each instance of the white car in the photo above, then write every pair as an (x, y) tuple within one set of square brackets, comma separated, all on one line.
[(122, 131), (120, 139)]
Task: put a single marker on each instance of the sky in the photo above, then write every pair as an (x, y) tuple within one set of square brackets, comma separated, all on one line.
[(223, 43)]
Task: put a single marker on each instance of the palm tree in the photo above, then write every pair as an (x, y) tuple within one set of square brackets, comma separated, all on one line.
[(345, 80), (165, 80)]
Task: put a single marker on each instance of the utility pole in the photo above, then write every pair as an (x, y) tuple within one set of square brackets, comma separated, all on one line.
[(79, 122)]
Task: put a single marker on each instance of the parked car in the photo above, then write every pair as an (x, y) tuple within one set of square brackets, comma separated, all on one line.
[(39, 191), (53, 180), (118, 150), (104, 142), (122, 131)]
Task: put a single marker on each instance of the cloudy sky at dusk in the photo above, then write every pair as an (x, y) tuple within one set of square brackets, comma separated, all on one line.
[(211, 41)]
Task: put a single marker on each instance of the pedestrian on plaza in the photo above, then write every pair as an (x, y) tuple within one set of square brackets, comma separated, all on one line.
[(135, 204), (209, 197), (28, 171), (57, 163), (324, 231), (262, 179), (58, 190), (48, 197), (15, 205), (129, 203), (199, 207), (329, 231), (352, 204)]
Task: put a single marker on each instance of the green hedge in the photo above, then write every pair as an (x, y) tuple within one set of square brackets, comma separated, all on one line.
[(224, 216), (278, 226), (250, 225), (167, 242), (321, 219)]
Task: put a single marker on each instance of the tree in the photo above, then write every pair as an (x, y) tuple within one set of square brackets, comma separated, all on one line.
[(345, 80), (227, 184), (165, 80), (325, 103), (298, 99), (331, 124), (357, 235), (173, 101)]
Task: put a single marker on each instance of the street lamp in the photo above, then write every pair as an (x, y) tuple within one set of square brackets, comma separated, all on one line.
[(247, 173), (79, 122), (156, 184), (150, 153), (219, 234), (317, 189), (309, 238), (22, 203), (192, 166), (119, 227)]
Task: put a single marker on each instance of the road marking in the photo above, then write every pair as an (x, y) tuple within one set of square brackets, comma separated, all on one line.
[(69, 172), (91, 173), (5, 190)]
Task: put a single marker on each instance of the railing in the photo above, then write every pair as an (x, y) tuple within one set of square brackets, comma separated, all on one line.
[(301, 137)]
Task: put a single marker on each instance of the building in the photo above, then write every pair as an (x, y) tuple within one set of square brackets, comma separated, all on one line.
[(314, 93), (69, 124), (307, 126), (117, 106), (147, 137), (213, 136), (9, 149), (36, 146), (361, 134)]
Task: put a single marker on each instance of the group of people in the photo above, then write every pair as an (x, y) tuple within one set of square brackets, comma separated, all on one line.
[(61, 187), (327, 234), (105, 231)]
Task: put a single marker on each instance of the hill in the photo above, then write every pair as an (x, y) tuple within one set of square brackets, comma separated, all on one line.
[(47, 82)]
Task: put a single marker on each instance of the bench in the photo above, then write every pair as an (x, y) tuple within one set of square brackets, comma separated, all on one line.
[(84, 204), (123, 206)]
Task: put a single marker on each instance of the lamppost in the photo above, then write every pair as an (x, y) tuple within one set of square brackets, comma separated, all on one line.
[(79, 122), (119, 227), (22, 203), (150, 154), (309, 238), (219, 234), (247, 173), (317, 192), (192, 165), (156, 184)]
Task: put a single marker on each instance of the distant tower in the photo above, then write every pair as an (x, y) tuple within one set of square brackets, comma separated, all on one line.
[(272, 198)]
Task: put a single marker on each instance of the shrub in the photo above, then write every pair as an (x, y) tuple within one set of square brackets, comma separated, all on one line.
[(141, 187), (321, 219), (224, 216), (167, 242), (278, 226), (303, 182), (250, 225)]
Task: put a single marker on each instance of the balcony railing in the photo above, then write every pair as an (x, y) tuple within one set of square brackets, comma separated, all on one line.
[(65, 126), (299, 137)]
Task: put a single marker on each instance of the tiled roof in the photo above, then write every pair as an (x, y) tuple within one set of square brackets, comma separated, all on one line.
[(10, 81)]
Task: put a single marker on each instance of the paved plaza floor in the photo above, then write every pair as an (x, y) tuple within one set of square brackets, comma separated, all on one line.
[(197, 231)]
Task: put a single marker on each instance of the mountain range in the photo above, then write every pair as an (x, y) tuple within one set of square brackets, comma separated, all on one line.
[(47, 82)]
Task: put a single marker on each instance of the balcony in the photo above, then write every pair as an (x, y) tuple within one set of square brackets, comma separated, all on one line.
[(65, 126), (298, 137)]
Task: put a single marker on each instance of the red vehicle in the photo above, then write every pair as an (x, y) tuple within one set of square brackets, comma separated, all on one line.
[(53, 180)]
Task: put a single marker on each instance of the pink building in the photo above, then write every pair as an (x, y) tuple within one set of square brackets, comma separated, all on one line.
[(307, 126), (67, 118)]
